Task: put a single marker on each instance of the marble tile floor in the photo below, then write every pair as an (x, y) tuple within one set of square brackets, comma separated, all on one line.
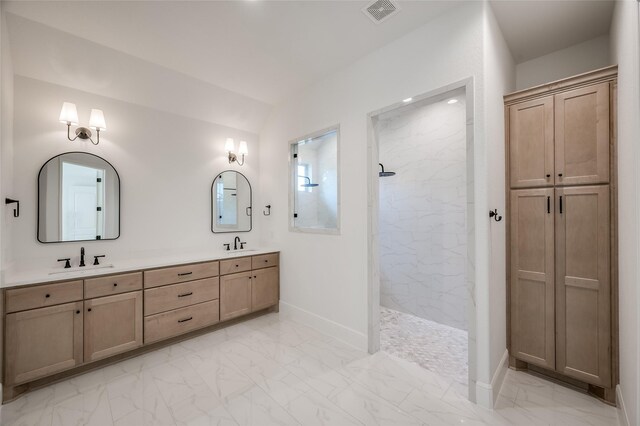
[(273, 371), (438, 348)]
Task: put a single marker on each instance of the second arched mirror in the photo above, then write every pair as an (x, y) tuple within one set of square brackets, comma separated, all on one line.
[(230, 203)]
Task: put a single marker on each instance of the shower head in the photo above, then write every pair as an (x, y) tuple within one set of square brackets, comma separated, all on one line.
[(308, 184), (382, 173)]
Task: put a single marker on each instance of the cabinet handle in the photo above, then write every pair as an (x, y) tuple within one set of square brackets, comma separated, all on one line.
[(561, 204), (89, 310), (185, 294), (186, 319), (548, 176), (78, 311), (237, 266), (255, 276), (115, 284), (548, 204), (266, 260), (185, 273), (560, 174), (47, 296)]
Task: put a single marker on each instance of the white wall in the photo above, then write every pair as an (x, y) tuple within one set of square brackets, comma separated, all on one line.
[(330, 288), (166, 165), (422, 215), (499, 79), (6, 145), (577, 59), (624, 52)]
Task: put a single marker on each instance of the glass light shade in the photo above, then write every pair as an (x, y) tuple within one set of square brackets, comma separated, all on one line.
[(229, 145), (69, 113), (96, 120), (242, 149)]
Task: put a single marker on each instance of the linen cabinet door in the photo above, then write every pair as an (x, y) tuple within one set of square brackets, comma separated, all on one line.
[(112, 324), (531, 143), (583, 300), (235, 295), (582, 136), (264, 288), (532, 276), (43, 341)]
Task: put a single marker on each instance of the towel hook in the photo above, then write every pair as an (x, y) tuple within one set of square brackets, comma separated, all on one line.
[(16, 211), (494, 214), (268, 211)]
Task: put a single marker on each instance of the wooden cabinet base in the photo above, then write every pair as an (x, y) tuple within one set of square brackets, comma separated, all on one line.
[(9, 393), (605, 394)]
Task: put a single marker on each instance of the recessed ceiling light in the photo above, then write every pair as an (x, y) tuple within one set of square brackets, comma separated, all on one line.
[(407, 100), (452, 101)]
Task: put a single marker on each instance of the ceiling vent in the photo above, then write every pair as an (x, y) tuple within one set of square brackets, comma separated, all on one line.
[(381, 10)]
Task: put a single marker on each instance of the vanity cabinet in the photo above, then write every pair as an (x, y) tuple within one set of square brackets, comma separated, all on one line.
[(562, 243), (41, 342), (253, 290), (112, 325), (235, 291), (55, 327)]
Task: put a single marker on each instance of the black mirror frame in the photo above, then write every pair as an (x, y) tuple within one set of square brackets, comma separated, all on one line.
[(250, 203), (78, 241)]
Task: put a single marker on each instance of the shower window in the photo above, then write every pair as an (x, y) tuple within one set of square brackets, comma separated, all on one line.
[(314, 188)]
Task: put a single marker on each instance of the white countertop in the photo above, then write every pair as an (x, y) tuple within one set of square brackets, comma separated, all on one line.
[(16, 278)]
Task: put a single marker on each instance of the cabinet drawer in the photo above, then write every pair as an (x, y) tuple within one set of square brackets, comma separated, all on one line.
[(179, 321), (177, 274), (179, 295), (264, 261), (113, 284), (231, 266), (21, 299)]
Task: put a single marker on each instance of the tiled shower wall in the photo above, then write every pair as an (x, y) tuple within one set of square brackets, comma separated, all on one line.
[(423, 239)]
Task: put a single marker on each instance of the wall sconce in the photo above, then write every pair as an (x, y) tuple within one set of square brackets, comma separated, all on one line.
[(69, 116), (229, 146)]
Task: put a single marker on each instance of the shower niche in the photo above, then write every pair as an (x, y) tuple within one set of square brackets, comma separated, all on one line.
[(314, 185)]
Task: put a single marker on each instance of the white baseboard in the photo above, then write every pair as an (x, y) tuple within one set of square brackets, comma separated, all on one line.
[(623, 418), (487, 393), (337, 331)]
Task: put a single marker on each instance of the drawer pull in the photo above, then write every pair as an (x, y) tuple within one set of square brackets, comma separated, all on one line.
[(185, 294), (89, 310), (47, 295), (185, 273), (78, 311), (266, 260), (115, 284), (237, 266), (186, 319)]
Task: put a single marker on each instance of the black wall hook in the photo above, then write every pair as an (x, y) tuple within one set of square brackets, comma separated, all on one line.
[(16, 211), (494, 214), (268, 211)]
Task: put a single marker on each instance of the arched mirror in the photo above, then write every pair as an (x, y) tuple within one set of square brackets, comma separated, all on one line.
[(78, 199), (230, 203)]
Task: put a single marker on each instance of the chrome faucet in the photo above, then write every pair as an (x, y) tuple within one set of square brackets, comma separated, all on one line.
[(81, 256)]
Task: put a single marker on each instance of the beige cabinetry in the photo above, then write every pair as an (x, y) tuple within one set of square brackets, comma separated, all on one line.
[(561, 238), (112, 325), (235, 292), (55, 327), (43, 341)]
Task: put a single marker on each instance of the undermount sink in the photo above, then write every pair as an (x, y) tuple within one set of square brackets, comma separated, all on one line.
[(83, 269), (232, 253)]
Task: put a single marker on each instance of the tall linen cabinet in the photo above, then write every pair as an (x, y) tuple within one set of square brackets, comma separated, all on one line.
[(561, 235)]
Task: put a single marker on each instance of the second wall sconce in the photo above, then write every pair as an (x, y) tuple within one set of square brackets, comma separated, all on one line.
[(69, 116), (229, 146)]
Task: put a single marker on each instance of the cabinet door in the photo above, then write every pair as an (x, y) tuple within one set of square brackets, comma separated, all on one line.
[(532, 280), (112, 325), (235, 295), (583, 300), (531, 143), (265, 288), (43, 341), (582, 135)]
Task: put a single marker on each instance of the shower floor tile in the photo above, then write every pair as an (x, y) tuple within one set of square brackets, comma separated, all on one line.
[(435, 347)]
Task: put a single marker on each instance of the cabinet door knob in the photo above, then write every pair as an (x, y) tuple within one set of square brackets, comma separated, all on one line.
[(47, 295), (548, 176), (89, 310), (115, 284), (560, 174), (78, 311)]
